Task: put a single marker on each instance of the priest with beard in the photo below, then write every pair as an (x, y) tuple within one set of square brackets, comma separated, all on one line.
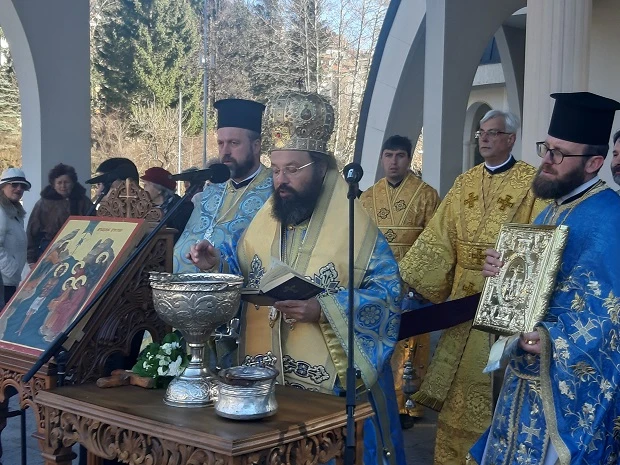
[(302, 226), (559, 400), (226, 209)]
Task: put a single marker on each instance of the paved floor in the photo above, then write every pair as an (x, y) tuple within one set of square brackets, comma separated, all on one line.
[(419, 442)]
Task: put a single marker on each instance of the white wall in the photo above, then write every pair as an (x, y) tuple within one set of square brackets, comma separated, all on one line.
[(605, 60), (494, 96)]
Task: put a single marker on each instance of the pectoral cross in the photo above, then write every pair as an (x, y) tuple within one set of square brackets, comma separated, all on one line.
[(583, 331), (531, 431), (470, 200), (505, 202)]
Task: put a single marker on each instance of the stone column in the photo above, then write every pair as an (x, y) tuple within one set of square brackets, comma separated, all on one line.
[(556, 60)]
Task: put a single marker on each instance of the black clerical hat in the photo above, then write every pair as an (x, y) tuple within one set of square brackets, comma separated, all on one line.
[(582, 117), (239, 113)]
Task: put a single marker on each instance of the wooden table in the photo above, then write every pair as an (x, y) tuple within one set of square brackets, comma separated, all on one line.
[(134, 426)]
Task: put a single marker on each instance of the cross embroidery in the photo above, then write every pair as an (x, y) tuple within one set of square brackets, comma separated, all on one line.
[(291, 289), (470, 200), (478, 255), (469, 288), (583, 331), (531, 431), (505, 202)]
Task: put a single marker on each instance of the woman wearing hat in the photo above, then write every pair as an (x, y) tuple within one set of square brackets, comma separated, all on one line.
[(13, 183), (63, 197), (161, 188)]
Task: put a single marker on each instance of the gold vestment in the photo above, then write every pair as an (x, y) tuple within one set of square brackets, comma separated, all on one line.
[(401, 213), (445, 263)]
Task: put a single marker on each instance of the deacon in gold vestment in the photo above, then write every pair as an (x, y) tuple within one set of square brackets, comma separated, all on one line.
[(402, 205), (446, 262)]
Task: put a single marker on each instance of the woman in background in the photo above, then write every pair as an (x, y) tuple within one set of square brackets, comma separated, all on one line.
[(63, 197), (13, 184)]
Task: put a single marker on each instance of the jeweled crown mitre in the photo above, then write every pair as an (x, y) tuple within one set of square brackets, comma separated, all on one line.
[(298, 120)]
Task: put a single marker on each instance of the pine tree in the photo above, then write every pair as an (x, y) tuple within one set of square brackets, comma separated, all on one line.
[(146, 53)]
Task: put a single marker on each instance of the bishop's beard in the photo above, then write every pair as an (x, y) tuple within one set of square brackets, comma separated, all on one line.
[(299, 205)]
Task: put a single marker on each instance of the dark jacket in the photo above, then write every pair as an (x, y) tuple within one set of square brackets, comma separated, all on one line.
[(49, 214)]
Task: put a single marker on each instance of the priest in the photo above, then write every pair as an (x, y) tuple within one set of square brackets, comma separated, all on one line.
[(225, 209), (559, 400), (445, 264)]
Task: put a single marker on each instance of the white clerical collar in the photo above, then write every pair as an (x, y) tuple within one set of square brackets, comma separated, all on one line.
[(254, 174), (578, 190), (495, 168), (247, 180)]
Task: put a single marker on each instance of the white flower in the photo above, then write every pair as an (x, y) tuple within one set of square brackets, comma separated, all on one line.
[(175, 345), (167, 348), (164, 361), (174, 368), (609, 395), (162, 372), (560, 343), (146, 365), (605, 385)]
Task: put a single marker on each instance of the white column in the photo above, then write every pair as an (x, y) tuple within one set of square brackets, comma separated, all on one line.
[(556, 60)]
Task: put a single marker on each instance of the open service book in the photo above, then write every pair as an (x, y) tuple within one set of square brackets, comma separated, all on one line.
[(281, 282)]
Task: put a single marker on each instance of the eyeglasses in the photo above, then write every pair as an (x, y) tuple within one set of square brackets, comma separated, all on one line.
[(556, 154), (492, 133), (15, 185), (289, 170)]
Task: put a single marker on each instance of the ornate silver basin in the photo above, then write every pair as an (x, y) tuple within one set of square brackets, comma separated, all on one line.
[(195, 304)]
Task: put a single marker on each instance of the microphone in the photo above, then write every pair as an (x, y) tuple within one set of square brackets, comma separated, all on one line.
[(216, 173), (352, 173), (121, 172)]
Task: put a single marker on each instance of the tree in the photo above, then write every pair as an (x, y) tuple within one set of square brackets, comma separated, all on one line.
[(307, 41), (10, 112), (10, 120), (147, 52)]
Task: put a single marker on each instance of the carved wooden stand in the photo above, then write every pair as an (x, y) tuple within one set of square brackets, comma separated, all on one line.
[(111, 332), (134, 426)]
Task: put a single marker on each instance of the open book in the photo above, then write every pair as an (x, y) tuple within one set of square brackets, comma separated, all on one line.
[(281, 282)]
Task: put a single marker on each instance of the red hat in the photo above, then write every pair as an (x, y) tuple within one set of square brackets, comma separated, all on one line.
[(159, 176)]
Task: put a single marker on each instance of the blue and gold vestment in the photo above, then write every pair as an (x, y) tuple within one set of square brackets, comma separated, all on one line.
[(569, 396)]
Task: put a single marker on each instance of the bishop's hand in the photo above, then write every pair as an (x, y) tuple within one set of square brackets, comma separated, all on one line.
[(492, 264), (204, 255), (301, 311)]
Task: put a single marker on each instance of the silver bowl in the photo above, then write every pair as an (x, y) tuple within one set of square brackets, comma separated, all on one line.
[(195, 304), (246, 393)]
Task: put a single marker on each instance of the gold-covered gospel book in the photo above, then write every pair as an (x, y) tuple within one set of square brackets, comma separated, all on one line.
[(518, 298)]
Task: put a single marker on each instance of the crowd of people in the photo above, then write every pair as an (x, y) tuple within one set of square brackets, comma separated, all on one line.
[(556, 399)]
